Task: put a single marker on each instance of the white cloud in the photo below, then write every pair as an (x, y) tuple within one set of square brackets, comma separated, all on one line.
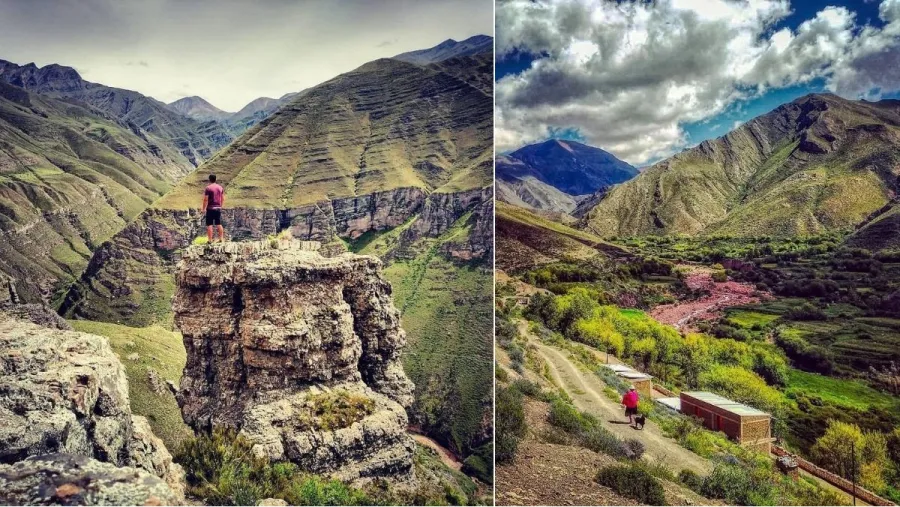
[(628, 74)]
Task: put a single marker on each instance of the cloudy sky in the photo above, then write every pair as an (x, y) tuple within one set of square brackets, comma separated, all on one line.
[(227, 51), (644, 80)]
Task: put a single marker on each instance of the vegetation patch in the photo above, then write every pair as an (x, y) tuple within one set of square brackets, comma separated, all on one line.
[(333, 410), (633, 481)]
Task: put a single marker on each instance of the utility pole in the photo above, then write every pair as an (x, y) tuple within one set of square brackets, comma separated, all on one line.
[(853, 468)]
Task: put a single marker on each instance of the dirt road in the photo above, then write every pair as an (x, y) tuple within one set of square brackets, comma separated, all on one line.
[(586, 390)]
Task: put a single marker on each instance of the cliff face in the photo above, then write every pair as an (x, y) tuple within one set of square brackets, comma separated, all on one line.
[(66, 392), (299, 352), (130, 276)]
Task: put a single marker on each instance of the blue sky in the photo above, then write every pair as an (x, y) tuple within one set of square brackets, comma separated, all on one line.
[(515, 63)]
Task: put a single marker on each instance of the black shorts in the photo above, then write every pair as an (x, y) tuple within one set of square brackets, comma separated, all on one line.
[(213, 217), (630, 410)]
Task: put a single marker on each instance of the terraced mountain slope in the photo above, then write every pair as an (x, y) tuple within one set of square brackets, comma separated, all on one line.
[(71, 176), (556, 175), (475, 45), (818, 163), (194, 140), (392, 159)]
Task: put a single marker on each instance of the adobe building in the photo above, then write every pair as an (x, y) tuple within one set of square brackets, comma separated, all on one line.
[(746, 425)]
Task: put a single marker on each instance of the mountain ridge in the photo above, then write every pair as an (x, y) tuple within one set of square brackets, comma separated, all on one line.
[(196, 141), (814, 164), (556, 175), (448, 49)]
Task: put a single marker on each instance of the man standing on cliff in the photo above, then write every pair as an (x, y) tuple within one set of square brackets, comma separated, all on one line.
[(213, 200)]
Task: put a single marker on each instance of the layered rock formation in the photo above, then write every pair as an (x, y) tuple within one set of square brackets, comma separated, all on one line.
[(299, 352), (66, 392)]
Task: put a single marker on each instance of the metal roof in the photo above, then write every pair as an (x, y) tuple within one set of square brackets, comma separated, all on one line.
[(673, 403), (724, 403)]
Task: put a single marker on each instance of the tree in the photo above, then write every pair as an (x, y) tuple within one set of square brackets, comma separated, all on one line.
[(848, 451), (693, 358), (743, 386)]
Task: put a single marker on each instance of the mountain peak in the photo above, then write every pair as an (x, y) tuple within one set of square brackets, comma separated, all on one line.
[(197, 108)]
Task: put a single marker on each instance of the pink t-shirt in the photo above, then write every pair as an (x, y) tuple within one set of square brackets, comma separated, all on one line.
[(630, 399), (214, 193)]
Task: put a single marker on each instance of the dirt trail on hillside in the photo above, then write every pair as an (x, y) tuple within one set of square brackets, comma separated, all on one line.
[(721, 295), (446, 456), (586, 390)]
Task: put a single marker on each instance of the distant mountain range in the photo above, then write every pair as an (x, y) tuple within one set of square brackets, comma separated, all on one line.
[(449, 49), (196, 141), (556, 175), (200, 109), (816, 164)]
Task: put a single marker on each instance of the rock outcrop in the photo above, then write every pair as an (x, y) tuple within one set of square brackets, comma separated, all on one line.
[(66, 392), (66, 479), (298, 352)]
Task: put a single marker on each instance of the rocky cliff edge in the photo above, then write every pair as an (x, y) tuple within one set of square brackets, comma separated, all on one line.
[(298, 352)]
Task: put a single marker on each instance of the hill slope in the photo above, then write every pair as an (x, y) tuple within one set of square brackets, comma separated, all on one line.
[(392, 159), (70, 178), (196, 141), (552, 174), (384, 126), (450, 48), (818, 163)]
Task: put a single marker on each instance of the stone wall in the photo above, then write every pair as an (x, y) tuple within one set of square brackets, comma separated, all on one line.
[(834, 479)]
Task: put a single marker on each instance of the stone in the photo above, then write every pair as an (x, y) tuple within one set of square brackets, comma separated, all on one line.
[(271, 327), (68, 479), (65, 392), (273, 502)]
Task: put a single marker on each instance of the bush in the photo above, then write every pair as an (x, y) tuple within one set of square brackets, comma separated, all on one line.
[(223, 470), (511, 425), (633, 448), (729, 482), (691, 480), (634, 482)]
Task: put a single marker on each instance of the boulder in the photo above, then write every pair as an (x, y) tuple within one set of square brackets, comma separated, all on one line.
[(68, 479), (65, 392)]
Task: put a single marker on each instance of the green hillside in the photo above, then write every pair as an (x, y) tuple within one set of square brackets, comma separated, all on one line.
[(369, 130), (817, 164), (70, 178)]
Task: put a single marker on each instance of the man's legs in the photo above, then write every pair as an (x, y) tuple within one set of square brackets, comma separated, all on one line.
[(209, 234), (221, 234)]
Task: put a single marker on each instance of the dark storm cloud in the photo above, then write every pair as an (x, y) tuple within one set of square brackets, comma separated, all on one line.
[(228, 51)]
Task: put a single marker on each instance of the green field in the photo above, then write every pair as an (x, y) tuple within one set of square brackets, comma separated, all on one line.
[(847, 393)]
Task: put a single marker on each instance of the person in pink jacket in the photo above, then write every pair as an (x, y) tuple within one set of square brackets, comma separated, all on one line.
[(630, 400)]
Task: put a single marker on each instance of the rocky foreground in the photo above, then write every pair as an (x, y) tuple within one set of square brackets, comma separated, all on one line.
[(67, 434), (299, 353)]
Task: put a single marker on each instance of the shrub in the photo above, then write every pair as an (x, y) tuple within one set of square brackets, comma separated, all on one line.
[(691, 480), (730, 482), (511, 426), (633, 448), (634, 482), (222, 469)]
